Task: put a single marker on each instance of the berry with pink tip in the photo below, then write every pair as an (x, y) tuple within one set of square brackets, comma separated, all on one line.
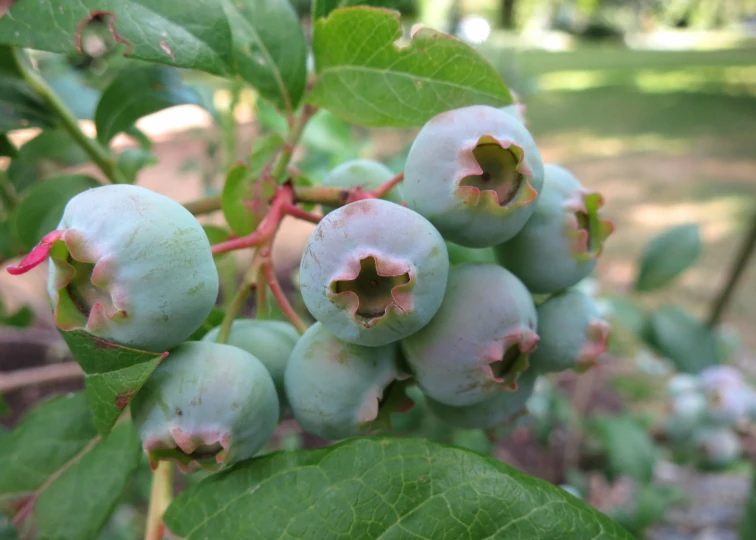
[(365, 173), (475, 173), (479, 341), (573, 334), (561, 242), (130, 266), (206, 405), (269, 341), (495, 411), (336, 389), (373, 272)]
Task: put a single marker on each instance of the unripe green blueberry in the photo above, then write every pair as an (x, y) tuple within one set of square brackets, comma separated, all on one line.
[(271, 342), (461, 254), (560, 243), (516, 109), (335, 389), (686, 412), (130, 266), (573, 334), (367, 174), (682, 384), (206, 405), (494, 411), (479, 341), (373, 272), (727, 394), (717, 447), (475, 173)]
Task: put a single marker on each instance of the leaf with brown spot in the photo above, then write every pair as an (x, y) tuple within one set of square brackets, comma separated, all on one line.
[(113, 374)]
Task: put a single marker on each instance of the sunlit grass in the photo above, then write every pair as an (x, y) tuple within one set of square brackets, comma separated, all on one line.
[(730, 80)]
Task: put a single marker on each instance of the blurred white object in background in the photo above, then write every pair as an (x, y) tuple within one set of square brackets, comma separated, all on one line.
[(474, 29)]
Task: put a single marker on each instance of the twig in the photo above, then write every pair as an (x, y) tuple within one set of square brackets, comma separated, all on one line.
[(204, 206), (241, 296), (295, 134), (267, 228), (160, 497), (280, 296), (294, 211), (21, 378), (380, 191), (735, 273), (100, 155), (261, 295), (335, 196), (580, 399)]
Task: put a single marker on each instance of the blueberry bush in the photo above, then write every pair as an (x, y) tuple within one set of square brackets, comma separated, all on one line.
[(447, 285)]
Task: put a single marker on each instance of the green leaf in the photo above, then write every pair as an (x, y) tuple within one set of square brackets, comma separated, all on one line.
[(259, 41), (70, 88), (42, 206), (321, 8), (5, 409), (161, 32), (20, 107), (43, 155), (629, 449), (651, 504), (6, 147), (135, 93), (688, 343), (133, 160), (216, 235), (70, 475), (667, 256), (382, 488), (65, 510), (748, 525), (364, 78), (9, 247), (214, 319), (113, 374), (270, 49), (629, 314), (50, 435), (21, 318), (7, 531), (245, 193)]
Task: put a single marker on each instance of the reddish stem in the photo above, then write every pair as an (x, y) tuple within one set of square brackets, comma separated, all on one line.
[(267, 228), (270, 276), (380, 191), (293, 210)]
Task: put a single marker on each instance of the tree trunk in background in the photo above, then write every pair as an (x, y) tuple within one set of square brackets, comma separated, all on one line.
[(508, 14)]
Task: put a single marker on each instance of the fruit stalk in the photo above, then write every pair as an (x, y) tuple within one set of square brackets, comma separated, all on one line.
[(241, 295), (267, 228), (96, 152), (204, 206), (160, 498), (280, 296), (733, 277), (334, 196), (295, 134)]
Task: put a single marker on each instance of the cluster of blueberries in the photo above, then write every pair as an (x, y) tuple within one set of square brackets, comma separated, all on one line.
[(706, 412), (457, 282)]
